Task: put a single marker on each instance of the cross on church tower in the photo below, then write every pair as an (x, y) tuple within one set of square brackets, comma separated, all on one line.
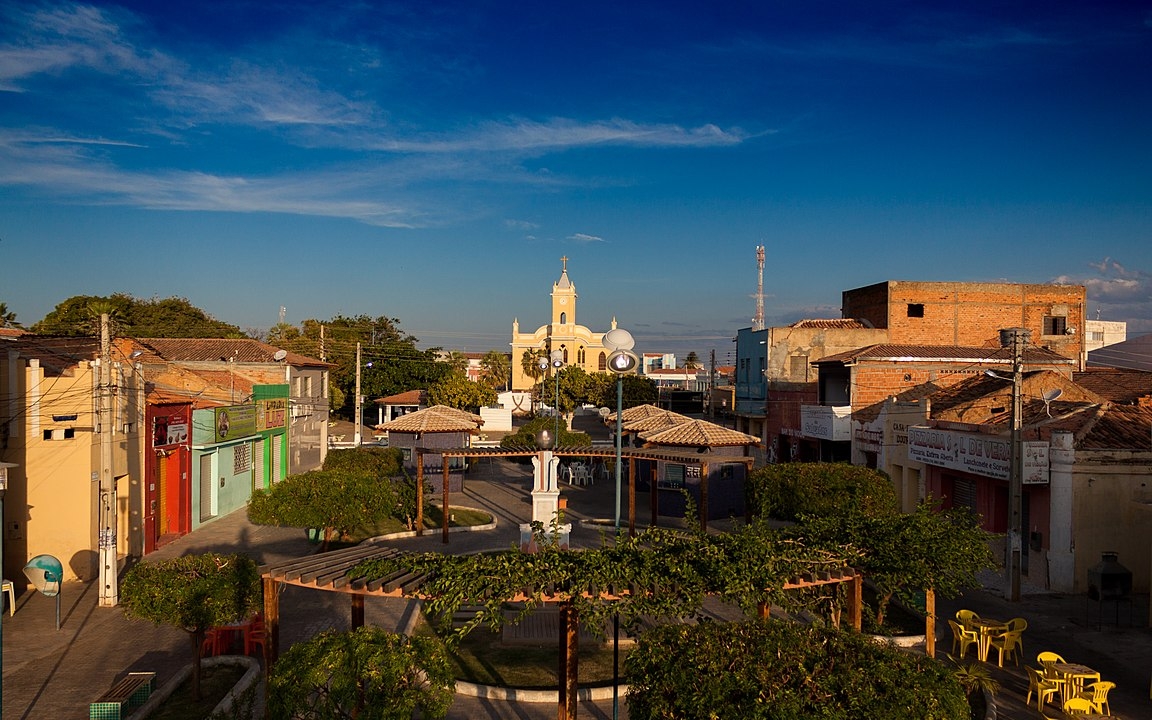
[(564, 259)]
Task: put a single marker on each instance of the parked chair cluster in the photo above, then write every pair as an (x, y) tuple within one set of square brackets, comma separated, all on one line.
[(1056, 676), (221, 640), (1007, 638)]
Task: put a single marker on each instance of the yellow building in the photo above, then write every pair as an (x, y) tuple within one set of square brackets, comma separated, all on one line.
[(52, 443), (581, 347)]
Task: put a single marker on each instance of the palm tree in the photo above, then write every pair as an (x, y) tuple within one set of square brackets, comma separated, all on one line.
[(530, 364), (692, 362), (7, 317), (496, 366), (457, 360)]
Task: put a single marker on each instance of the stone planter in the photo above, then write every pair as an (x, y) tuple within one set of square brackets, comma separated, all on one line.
[(252, 675)]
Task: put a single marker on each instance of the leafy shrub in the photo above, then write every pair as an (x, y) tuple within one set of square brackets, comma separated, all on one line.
[(525, 437), (335, 500), (782, 670), (787, 491), (378, 461), (366, 673)]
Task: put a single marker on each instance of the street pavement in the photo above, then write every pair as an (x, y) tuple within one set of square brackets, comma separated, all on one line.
[(55, 673)]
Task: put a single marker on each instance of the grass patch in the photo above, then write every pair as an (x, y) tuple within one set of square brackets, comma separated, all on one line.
[(433, 515), (482, 658), (215, 683)]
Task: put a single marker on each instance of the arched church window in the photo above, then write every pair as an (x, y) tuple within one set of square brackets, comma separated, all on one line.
[(603, 364), (563, 318)]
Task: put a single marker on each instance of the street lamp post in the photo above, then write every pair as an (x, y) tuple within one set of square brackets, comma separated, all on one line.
[(621, 361), (556, 360)]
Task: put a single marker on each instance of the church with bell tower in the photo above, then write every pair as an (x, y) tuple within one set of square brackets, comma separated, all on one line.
[(581, 347)]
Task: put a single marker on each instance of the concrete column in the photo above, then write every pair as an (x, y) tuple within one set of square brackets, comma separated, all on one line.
[(1061, 548)]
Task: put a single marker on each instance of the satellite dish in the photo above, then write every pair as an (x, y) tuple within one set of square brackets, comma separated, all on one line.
[(604, 412), (1048, 397), (279, 355)]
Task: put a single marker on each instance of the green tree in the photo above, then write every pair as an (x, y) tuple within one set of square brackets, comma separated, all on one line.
[(637, 390), (194, 593), (457, 360), (336, 500), (367, 673), (458, 392), (133, 317), (905, 553), (530, 363), (772, 670), (495, 368), (786, 491), (692, 362), (7, 317)]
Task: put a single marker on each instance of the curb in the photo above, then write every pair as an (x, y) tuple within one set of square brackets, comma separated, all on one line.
[(534, 696), (469, 528)]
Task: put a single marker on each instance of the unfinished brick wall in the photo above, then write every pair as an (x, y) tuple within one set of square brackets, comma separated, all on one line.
[(971, 314)]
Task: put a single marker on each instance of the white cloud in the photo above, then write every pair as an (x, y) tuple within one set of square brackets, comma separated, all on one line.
[(585, 238), (1117, 292), (558, 133)]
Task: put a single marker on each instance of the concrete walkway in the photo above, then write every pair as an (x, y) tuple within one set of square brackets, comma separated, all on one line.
[(50, 673)]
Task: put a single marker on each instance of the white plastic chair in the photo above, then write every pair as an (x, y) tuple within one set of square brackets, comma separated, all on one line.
[(9, 590)]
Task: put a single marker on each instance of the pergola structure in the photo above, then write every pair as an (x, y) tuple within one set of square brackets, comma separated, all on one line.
[(629, 454), (333, 572)]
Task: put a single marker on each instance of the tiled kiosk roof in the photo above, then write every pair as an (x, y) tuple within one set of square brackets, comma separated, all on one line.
[(699, 433), (438, 418)]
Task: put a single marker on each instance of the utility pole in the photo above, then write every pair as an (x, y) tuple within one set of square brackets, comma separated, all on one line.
[(712, 384), (322, 358), (1016, 338), (356, 433), (109, 582)]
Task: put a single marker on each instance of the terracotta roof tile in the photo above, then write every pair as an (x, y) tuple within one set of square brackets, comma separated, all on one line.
[(831, 324), (1116, 385), (438, 418), (408, 397), (699, 433), (245, 350), (666, 419)]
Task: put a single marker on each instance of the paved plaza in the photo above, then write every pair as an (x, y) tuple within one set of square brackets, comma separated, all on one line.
[(50, 673)]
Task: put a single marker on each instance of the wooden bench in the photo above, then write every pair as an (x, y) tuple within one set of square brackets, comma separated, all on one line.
[(133, 690)]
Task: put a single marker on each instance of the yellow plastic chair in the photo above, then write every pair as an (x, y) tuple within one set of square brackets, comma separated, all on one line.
[(1018, 624), (966, 617), (1047, 660), (962, 639), (1097, 694), (1042, 686), (1006, 643), (1078, 706)]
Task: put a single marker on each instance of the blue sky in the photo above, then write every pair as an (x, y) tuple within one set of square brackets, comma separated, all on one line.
[(432, 161)]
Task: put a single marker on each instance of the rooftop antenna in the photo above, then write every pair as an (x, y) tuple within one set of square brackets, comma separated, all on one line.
[(758, 320), (282, 311)]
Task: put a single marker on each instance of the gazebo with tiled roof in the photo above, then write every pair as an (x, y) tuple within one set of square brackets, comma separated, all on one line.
[(421, 433)]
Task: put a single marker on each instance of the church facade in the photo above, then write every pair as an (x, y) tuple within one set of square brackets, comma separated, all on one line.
[(581, 347)]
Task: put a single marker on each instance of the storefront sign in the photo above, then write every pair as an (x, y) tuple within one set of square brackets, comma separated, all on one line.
[(986, 455), (271, 414), (826, 422), (168, 430), (235, 421)]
